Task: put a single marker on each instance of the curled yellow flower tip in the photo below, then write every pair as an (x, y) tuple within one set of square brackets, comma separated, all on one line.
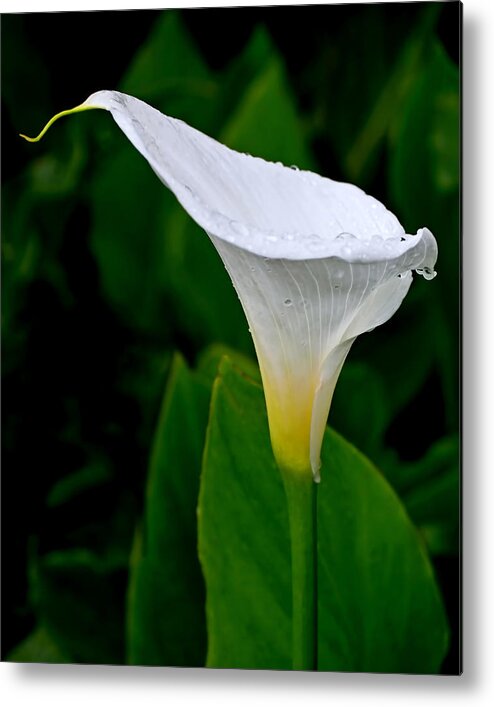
[(77, 109)]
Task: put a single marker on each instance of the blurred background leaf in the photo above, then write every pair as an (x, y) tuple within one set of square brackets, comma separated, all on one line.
[(38, 647), (424, 170), (165, 569), (85, 632)]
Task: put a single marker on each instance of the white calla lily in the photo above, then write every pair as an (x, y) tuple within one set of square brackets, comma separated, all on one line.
[(315, 262)]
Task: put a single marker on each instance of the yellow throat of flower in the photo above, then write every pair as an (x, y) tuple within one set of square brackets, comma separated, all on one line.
[(290, 417)]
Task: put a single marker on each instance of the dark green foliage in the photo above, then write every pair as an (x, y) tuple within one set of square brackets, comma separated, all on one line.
[(166, 594)]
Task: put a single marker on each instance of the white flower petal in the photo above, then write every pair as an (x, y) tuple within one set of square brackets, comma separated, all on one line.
[(315, 262), (262, 206), (328, 377), (304, 316)]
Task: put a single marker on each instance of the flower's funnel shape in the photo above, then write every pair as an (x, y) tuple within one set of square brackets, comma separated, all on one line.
[(315, 262)]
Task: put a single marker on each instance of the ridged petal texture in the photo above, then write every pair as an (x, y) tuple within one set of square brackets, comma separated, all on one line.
[(315, 262)]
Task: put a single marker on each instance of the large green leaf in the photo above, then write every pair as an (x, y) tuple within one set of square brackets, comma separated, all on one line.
[(243, 533), (209, 360), (379, 606), (166, 623)]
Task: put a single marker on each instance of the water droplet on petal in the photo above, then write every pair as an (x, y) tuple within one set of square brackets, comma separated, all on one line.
[(427, 273), (315, 243)]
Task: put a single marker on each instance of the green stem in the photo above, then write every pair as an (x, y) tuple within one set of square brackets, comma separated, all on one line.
[(301, 493)]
